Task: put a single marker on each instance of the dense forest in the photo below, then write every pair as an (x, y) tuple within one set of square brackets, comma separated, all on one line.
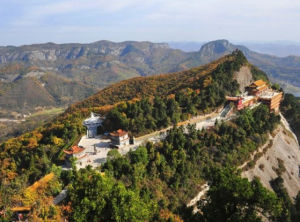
[(155, 182), (160, 176), (290, 108), (150, 114)]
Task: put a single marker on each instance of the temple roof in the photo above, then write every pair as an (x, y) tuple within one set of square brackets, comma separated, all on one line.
[(258, 83), (118, 133), (94, 119), (74, 150)]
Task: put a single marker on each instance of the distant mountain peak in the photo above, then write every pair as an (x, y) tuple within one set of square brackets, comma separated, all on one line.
[(222, 46)]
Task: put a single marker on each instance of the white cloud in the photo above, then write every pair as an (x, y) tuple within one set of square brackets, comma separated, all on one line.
[(160, 19), (35, 13)]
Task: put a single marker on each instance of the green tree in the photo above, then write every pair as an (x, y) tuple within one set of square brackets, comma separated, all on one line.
[(97, 198), (232, 198)]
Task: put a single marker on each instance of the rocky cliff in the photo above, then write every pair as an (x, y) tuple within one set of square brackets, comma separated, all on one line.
[(280, 156)]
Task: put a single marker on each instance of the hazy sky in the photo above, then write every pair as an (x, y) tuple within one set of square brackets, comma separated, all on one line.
[(36, 21)]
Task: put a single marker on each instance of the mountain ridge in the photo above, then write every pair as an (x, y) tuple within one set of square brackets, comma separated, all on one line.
[(96, 65), (101, 59), (160, 177)]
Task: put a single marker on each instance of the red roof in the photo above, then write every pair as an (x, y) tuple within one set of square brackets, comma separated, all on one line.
[(118, 133), (74, 149), (232, 98)]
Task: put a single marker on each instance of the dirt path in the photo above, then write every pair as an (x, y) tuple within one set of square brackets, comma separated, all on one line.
[(193, 202), (12, 120)]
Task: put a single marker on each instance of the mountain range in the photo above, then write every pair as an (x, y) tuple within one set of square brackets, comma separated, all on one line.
[(51, 74)]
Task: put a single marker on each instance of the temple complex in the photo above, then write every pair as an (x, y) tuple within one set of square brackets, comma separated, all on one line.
[(257, 87), (272, 99), (258, 91)]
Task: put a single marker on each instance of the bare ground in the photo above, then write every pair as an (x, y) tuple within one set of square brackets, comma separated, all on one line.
[(286, 148)]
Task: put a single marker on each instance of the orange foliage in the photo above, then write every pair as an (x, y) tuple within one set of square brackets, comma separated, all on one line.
[(32, 142), (167, 215), (6, 163), (11, 175), (41, 182), (207, 81), (171, 96), (67, 208)]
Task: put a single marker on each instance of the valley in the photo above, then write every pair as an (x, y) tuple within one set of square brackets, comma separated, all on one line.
[(16, 125)]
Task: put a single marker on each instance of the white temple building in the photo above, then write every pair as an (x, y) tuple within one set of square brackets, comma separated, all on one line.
[(92, 125)]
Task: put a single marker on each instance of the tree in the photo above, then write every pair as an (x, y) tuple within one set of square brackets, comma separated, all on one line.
[(173, 110), (232, 198), (159, 112), (140, 155), (113, 154), (97, 198)]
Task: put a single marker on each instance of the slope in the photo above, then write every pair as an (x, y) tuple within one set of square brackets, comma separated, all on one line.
[(281, 158), (154, 180), (23, 89), (99, 63)]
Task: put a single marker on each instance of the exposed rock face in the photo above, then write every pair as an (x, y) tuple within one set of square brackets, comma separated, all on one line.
[(284, 149), (96, 64), (52, 52), (243, 77), (216, 48)]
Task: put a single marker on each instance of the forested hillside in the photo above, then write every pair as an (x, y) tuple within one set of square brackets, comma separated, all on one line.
[(291, 110), (155, 182)]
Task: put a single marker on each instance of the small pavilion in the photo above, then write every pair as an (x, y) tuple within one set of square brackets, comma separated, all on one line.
[(75, 152), (92, 125), (119, 138)]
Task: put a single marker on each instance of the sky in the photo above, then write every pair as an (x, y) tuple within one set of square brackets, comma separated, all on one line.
[(64, 21)]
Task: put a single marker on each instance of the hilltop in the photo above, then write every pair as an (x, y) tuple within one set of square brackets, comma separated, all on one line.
[(283, 70)]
